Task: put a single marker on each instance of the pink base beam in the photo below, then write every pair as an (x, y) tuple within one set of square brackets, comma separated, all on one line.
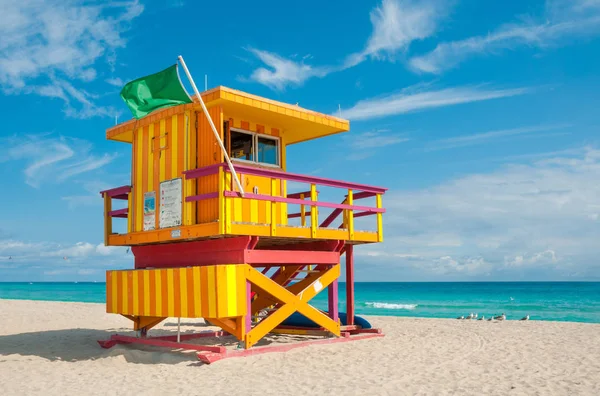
[(167, 341), (210, 357)]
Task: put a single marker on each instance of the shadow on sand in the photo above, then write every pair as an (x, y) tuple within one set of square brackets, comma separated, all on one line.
[(73, 345)]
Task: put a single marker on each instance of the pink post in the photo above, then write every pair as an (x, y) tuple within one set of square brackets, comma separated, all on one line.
[(350, 284), (333, 300)]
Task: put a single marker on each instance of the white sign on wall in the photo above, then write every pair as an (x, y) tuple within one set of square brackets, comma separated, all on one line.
[(170, 203)]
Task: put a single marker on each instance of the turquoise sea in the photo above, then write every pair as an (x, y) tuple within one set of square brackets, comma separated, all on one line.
[(560, 301)]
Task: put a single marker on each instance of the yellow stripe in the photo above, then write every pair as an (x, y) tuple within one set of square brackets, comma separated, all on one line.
[(147, 292), (113, 285), (183, 292), (135, 293), (158, 285), (211, 287), (150, 163), (232, 290), (174, 147), (197, 288), (221, 291), (237, 209), (163, 156), (129, 213), (170, 293), (253, 211), (125, 300), (139, 196)]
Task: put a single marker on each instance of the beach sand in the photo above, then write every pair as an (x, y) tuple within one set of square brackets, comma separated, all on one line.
[(50, 348)]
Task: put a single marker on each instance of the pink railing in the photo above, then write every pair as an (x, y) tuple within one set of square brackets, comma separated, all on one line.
[(354, 191)]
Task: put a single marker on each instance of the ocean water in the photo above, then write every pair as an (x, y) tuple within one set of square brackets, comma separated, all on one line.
[(556, 301)]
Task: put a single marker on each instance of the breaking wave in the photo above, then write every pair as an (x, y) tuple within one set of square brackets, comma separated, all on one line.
[(391, 305)]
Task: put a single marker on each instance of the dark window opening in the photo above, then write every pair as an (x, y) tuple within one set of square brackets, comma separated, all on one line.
[(241, 146)]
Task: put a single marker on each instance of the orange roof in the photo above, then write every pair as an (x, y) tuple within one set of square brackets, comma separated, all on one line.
[(297, 124)]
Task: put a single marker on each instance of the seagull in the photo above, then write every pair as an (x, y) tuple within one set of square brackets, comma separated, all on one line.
[(475, 316), (501, 317), (461, 317), (482, 318), (470, 316), (526, 317), (491, 318)]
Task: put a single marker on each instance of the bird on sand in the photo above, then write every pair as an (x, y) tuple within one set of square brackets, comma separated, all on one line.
[(461, 317), (475, 316), (501, 317), (491, 318), (470, 316), (525, 318), (482, 318)]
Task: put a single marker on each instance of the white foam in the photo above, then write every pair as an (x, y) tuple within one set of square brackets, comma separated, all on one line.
[(391, 305)]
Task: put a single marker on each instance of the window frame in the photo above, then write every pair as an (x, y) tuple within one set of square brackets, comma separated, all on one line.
[(255, 136)]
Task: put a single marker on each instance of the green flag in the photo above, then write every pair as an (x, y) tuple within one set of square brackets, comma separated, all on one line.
[(153, 92)]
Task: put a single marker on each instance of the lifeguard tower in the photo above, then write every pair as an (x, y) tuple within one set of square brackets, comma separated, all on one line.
[(250, 261)]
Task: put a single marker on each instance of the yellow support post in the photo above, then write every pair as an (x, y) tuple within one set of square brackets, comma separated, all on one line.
[(273, 207), (379, 219), (350, 216), (314, 218), (222, 211)]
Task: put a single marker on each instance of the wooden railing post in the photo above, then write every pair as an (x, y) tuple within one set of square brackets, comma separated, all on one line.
[(273, 207), (350, 216), (107, 218), (314, 218), (379, 219)]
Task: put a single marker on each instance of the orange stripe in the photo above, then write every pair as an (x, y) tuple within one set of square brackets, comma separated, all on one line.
[(168, 160), (176, 291), (119, 292), (145, 169), (108, 291), (164, 291), (204, 289), (152, 293), (180, 143), (190, 291), (141, 288), (130, 292)]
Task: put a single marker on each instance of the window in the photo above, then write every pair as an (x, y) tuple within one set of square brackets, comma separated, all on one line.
[(248, 146), (242, 146), (267, 150)]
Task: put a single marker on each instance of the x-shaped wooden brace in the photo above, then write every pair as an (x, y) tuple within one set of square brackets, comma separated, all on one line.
[(291, 303)]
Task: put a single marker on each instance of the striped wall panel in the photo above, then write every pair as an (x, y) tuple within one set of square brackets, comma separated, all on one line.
[(217, 291)]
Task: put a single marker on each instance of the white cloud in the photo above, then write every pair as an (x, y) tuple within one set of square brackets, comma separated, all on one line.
[(487, 137), (31, 260), (116, 81), (563, 19), (419, 98), (396, 23), (49, 158), (537, 220), (46, 43), (281, 72), (363, 145)]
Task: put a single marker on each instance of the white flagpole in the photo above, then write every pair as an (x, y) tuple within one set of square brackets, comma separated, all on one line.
[(212, 125)]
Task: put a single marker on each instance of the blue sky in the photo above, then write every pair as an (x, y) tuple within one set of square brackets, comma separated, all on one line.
[(480, 117)]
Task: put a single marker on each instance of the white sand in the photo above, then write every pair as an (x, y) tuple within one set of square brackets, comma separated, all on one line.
[(50, 348)]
